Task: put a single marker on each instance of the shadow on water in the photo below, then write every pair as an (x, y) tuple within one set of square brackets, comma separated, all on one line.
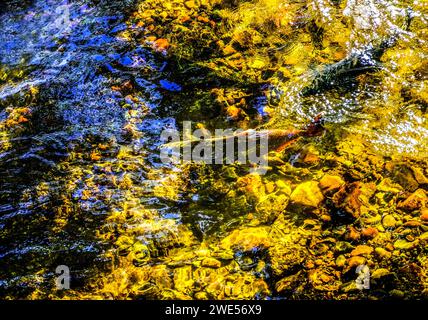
[(82, 107), (55, 191)]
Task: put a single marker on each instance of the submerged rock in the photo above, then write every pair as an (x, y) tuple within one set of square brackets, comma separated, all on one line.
[(307, 194), (211, 263), (402, 244), (383, 253), (403, 175), (389, 221), (369, 232), (415, 201), (288, 283), (247, 239), (424, 214), (356, 261), (362, 250), (354, 197), (380, 273)]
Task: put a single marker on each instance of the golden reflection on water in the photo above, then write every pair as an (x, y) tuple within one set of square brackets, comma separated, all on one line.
[(357, 194)]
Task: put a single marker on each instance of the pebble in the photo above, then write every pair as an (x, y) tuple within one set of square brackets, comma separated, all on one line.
[(382, 253), (389, 221), (356, 261), (424, 214), (190, 4), (397, 293), (211, 263), (380, 273), (352, 234), (330, 183), (415, 201), (340, 261), (307, 194), (201, 295), (362, 250), (369, 232), (402, 244)]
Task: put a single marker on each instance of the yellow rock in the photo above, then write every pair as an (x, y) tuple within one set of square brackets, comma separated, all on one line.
[(257, 64), (228, 50), (382, 253), (307, 194), (340, 261), (247, 239), (183, 280), (415, 201), (270, 187), (190, 4), (284, 186), (402, 244), (379, 273), (330, 183), (356, 261), (389, 221), (361, 250), (201, 296), (386, 185)]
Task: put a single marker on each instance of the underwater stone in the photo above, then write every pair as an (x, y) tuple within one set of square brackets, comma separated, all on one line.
[(419, 175), (362, 250), (247, 239), (404, 176), (402, 244), (288, 283), (211, 263), (307, 194), (330, 183), (389, 221), (353, 197), (382, 253), (356, 261), (369, 232), (380, 273), (415, 201), (340, 261), (424, 214), (170, 86)]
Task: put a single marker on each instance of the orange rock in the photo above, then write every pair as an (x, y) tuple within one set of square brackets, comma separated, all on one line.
[(311, 159), (352, 234), (228, 50), (95, 156), (160, 45), (22, 119), (184, 19), (233, 112), (330, 183), (151, 38), (203, 19), (352, 197), (424, 214), (369, 232), (415, 201), (356, 261)]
